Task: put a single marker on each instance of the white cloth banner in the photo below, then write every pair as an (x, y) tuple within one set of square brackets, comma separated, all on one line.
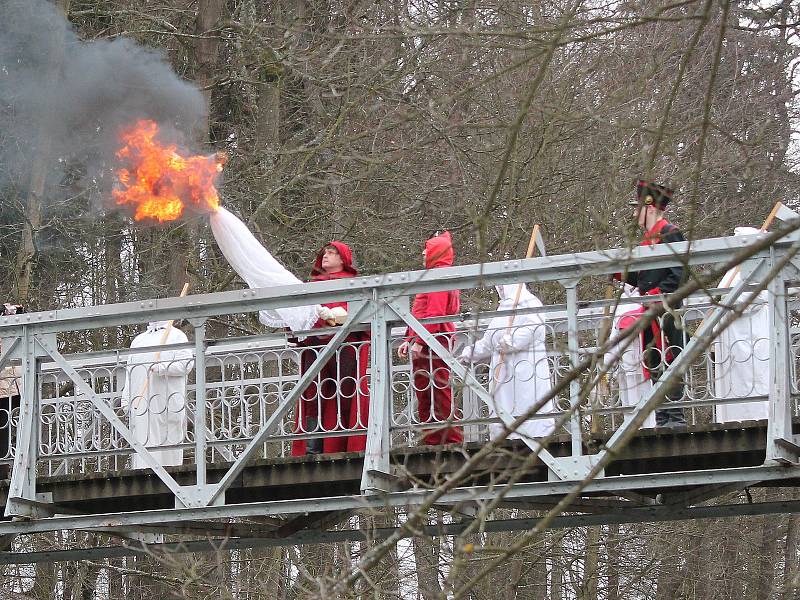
[(259, 269)]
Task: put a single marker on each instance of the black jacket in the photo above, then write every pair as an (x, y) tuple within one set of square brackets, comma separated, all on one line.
[(663, 281)]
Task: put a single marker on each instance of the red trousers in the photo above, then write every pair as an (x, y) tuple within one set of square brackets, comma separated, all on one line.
[(337, 399), (432, 388)]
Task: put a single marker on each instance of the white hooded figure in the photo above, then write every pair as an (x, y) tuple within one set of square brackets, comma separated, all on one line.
[(155, 393), (741, 355), (522, 377), (627, 354)]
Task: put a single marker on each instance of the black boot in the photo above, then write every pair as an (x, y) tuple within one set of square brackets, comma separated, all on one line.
[(313, 446)]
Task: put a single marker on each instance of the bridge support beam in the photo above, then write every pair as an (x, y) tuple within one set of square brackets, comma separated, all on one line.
[(781, 444), (22, 499), (377, 476)]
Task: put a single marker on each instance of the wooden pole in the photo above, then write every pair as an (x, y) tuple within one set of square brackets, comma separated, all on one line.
[(161, 342)]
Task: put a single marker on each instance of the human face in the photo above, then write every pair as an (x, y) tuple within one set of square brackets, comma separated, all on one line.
[(640, 214), (331, 260)]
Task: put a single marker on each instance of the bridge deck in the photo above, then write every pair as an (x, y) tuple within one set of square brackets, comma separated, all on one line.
[(652, 451)]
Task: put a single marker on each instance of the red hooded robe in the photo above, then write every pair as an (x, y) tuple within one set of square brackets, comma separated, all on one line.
[(341, 390), (431, 373)]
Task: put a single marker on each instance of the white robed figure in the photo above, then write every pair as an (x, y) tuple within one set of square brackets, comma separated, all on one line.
[(625, 358), (741, 355), (155, 393), (521, 378)]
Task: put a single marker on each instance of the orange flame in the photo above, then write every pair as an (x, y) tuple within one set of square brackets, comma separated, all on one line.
[(158, 182)]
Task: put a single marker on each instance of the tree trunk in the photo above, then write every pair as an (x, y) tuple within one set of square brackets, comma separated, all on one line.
[(557, 571), (766, 553), (40, 167), (514, 576), (670, 577), (426, 555), (116, 583), (612, 558), (589, 586), (790, 563), (206, 50)]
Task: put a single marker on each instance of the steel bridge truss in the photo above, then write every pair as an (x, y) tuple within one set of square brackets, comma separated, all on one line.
[(242, 402)]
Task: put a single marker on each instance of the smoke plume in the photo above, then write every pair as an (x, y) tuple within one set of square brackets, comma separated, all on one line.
[(66, 99)]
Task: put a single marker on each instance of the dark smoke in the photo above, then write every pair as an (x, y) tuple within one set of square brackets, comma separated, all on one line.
[(68, 98)]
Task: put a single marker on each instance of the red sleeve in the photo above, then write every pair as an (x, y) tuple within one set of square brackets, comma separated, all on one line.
[(417, 308), (433, 304)]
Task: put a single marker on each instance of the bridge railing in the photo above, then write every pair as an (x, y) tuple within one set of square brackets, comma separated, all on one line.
[(244, 386), (348, 389)]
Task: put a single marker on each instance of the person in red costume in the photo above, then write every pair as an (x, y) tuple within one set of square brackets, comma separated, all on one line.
[(662, 341), (431, 373), (338, 397)]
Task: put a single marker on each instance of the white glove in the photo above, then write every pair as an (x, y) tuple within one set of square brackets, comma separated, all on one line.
[(325, 313), (339, 315), (466, 355), (506, 343)]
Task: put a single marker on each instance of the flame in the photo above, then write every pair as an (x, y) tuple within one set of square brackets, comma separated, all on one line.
[(158, 182)]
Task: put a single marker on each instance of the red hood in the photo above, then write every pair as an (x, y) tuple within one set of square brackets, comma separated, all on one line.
[(439, 251), (317, 274)]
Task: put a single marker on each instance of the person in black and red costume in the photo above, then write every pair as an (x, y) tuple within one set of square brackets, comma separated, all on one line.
[(662, 341)]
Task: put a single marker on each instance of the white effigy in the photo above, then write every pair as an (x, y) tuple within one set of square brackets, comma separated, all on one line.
[(519, 365), (626, 358), (741, 356), (155, 393), (259, 269)]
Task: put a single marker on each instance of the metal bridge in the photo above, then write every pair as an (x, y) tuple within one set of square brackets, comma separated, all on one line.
[(72, 443)]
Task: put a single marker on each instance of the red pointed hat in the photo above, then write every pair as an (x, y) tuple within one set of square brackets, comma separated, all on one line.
[(439, 251)]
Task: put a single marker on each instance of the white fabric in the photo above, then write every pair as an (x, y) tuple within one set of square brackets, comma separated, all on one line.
[(10, 381), (155, 394), (259, 269), (741, 356), (744, 230), (629, 371), (524, 377)]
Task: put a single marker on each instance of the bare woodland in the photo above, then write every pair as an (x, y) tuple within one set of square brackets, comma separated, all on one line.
[(379, 122)]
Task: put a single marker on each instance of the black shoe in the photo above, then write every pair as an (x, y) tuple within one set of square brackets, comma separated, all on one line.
[(313, 446)]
